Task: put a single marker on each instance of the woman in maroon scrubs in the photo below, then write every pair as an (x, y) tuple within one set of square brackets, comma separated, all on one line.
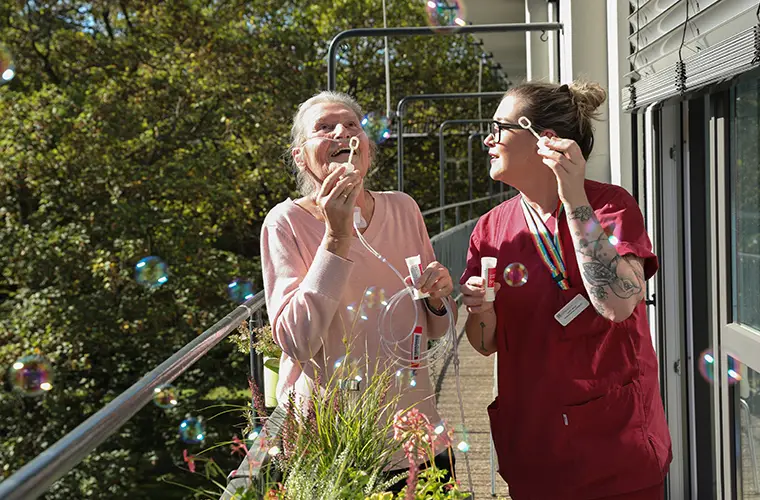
[(579, 414)]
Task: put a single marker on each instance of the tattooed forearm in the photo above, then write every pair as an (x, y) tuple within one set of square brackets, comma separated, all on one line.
[(614, 284), (583, 214), (482, 337), (601, 268)]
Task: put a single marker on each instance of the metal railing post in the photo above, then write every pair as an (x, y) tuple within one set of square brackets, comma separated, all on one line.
[(425, 31), (256, 360), (442, 159), (400, 108)]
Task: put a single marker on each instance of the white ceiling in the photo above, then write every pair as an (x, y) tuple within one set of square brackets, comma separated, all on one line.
[(508, 48)]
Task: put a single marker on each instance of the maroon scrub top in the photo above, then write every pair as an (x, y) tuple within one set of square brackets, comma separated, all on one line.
[(579, 413)]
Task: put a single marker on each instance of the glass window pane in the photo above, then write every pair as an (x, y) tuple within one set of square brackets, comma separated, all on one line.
[(746, 197), (747, 399)]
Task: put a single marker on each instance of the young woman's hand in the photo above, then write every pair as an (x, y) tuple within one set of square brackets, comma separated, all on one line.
[(565, 159), (474, 293)]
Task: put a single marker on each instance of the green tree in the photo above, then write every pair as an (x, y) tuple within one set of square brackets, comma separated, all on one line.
[(159, 128)]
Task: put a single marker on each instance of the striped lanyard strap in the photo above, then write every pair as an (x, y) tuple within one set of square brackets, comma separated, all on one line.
[(550, 249)]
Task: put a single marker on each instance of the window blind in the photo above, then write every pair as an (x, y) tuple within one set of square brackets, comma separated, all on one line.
[(678, 46)]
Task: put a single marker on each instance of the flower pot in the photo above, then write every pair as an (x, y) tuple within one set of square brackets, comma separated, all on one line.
[(271, 376)]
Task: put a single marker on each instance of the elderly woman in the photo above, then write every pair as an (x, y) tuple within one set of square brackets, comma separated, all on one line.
[(579, 414), (319, 279)]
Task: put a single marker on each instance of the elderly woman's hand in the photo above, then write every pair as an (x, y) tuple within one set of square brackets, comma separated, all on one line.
[(336, 200)]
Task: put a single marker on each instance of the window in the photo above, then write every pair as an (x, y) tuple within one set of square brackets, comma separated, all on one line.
[(745, 193)]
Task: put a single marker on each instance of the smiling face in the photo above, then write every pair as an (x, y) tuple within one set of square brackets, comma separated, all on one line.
[(329, 127), (514, 156)]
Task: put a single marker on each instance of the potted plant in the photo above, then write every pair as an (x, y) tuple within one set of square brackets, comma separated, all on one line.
[(265, 346)]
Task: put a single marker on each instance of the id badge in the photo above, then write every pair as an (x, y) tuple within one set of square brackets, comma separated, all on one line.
[(571, 310)]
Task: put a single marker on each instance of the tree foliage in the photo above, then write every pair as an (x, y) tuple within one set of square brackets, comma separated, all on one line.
[(159, 128)]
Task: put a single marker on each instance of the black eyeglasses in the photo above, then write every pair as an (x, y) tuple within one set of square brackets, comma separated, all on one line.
[(497, 127)]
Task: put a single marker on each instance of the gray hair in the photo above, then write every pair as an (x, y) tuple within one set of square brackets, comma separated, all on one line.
[(299, 134)]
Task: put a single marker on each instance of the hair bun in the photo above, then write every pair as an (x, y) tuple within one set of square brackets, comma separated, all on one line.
[(588, 96)]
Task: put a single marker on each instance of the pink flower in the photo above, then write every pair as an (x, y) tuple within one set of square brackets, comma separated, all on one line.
[(238, 446), (189, 460), (413, 429)]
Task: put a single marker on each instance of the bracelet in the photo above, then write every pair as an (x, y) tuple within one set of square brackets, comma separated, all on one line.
[(438, 312)]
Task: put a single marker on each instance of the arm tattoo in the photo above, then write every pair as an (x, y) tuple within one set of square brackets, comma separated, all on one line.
[(601, 270), (583, 214), (482, 337)]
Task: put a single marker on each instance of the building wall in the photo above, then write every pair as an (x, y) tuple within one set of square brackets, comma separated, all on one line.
[(592, 47)]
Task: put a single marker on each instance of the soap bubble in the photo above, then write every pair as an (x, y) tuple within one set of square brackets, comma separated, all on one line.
[(349, 373), (376, 126), (274, 451), (706, 363), (240, 290), (444, 434), (445, 13), (515, 274), (151, 272), (375, 298), (7, 69), (165, 396), (192, 431), (31, 375), (609, 230), (463, 439), (357, 312), (254, 433), (406, 378)]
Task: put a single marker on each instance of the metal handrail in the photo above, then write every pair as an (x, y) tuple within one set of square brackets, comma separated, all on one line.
[(462, 203), (34, 478), (426, 97), (429, 31)]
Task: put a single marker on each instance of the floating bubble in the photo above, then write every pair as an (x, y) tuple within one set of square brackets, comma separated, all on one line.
[(406, 378), (445, 13), (31, 375), (254, 433), (7, 69), (377, 127), (463, 436), (357, 312), (375, 298), (706, 364), (151, 272), (349, 373), (165, 396), (609, 230), (192, 430), (274, 451), (240, 290), (515, 274)]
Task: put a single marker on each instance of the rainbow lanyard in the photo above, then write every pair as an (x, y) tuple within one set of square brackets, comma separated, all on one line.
[(549, 249)]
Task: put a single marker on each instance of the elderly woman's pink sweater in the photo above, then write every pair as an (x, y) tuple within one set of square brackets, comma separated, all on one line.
[(313, 297)]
